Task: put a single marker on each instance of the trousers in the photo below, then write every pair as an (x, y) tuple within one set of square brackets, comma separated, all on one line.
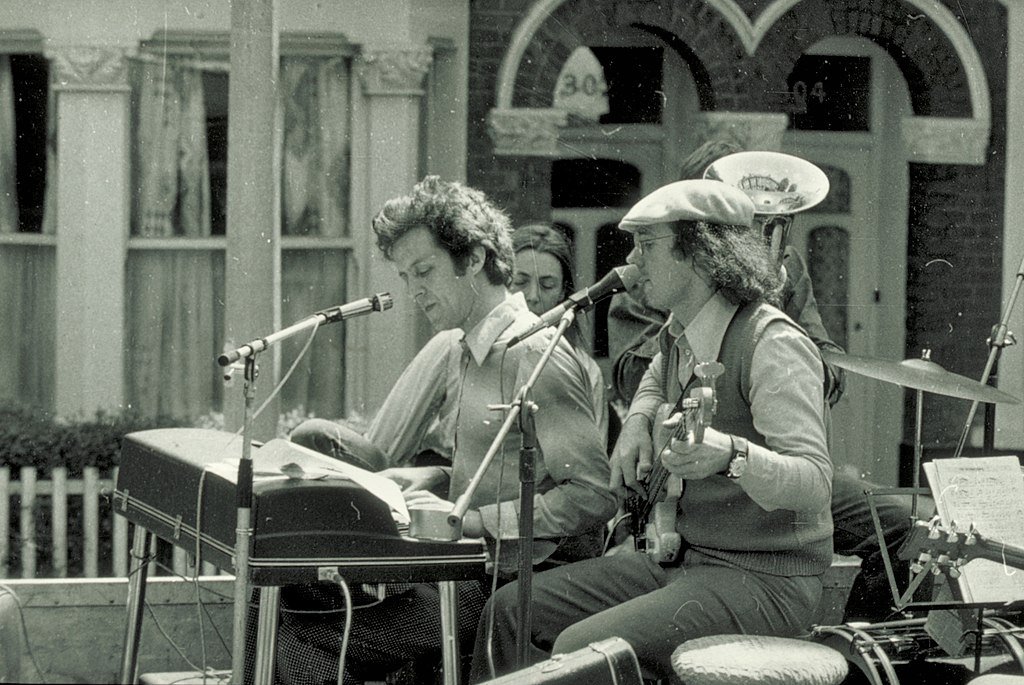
[(653, 608)]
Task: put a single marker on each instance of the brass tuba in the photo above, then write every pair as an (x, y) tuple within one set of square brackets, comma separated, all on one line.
[(779, 185)]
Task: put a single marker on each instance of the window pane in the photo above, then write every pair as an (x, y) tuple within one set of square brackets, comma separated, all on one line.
[(29, 78), (174, 321), (28, 334), (315, 160)]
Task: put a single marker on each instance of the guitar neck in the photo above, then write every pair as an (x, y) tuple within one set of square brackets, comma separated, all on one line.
[(994, 550)]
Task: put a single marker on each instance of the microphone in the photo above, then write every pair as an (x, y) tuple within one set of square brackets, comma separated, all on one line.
[(367, 305), (615, 281), (377, 303)]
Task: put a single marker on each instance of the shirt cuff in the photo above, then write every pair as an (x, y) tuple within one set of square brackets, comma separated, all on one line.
[(508, 512)]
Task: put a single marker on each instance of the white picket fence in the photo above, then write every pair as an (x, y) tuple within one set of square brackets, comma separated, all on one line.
[(32, 494)]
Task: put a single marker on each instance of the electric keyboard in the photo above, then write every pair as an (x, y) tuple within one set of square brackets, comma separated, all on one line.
[(179, 484)]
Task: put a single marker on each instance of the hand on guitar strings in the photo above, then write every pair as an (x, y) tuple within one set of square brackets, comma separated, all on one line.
[(472, 523), (631, 459), (695, 461)]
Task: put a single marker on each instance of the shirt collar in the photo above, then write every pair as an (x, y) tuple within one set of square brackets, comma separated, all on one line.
[(481, 338), (707, 329)]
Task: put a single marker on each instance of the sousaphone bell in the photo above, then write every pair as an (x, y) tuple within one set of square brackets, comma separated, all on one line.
[(779, 185)]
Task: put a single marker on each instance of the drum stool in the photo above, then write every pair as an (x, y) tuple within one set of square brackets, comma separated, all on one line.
[(757, 660)]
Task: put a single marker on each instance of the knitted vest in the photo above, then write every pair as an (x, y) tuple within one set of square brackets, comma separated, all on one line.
[(716, 517)]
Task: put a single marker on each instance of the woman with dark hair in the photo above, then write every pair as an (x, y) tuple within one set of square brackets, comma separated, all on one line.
[(543, 274)]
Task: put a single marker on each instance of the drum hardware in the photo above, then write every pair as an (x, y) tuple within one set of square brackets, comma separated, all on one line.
[(878, 649), (999, 338)]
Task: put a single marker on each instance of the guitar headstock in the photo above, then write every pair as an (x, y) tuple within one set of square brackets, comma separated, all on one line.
[(947, 546)]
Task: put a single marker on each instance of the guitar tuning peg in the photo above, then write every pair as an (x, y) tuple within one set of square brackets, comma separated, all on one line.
[(917, 567), (954, 572)]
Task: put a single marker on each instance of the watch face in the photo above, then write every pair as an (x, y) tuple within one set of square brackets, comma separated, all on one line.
[(737, 466)]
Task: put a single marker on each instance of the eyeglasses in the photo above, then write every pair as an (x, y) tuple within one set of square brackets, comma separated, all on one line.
[(641, 244)]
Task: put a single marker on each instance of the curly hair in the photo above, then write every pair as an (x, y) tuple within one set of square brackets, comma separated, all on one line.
[(735, 259), (459, 218)]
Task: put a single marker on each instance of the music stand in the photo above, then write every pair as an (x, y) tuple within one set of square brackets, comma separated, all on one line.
[(859, 637)]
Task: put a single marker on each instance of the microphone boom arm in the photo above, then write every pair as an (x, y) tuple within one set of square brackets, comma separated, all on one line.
[(377, 303)]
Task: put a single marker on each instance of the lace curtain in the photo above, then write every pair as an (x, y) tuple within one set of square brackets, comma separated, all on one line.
[(28, 334)]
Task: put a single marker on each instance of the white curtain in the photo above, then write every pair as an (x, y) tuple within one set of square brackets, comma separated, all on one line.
[(174, 297), (171, 167), (314, 190), (315, 159)]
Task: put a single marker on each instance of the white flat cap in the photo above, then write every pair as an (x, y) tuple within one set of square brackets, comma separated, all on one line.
[(703, 200)]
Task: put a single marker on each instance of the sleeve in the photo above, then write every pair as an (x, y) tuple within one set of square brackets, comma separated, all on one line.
[(572, 469), (632, 342), (414, 401), (649, 394), (793, 469)]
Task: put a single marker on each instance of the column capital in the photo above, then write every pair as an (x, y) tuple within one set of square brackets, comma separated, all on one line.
[(85, 67), (526, 131), (393, 70)]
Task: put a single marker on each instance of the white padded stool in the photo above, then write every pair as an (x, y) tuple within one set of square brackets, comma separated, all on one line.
[(757, 660)]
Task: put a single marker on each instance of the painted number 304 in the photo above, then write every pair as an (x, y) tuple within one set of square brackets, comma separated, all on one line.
[(588, 85), (801, 94)]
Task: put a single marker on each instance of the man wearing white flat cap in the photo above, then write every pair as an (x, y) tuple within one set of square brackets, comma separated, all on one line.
[(754, 510)]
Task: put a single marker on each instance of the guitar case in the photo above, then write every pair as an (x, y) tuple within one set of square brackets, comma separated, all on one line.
[(607, 662)]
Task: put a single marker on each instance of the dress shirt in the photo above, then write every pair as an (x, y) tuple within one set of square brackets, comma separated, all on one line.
[(457, 376)]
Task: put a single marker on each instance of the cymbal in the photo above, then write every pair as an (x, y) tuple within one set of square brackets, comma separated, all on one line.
[(920, 374)]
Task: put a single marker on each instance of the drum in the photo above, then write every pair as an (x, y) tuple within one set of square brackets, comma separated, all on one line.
[(884, 651)]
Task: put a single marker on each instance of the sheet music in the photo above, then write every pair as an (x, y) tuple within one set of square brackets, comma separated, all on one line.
[(988, 492), (280, 458)]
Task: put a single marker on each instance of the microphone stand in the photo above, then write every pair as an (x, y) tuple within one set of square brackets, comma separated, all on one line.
[(243, 492), (526, 486), (999, 338)]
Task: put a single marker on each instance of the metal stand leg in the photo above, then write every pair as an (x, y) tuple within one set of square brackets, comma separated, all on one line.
[(266, 635), (138, 570), (449, 631)]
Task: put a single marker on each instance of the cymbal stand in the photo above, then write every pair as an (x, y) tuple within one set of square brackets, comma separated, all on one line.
[(926, 354), (999, 338)]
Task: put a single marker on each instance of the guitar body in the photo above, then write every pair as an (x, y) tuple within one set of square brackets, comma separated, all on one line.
[(654, 517), (660, 539)]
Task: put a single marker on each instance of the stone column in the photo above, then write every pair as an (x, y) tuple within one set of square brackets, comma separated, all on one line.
[(93, 187), (253, 268), (386, 162)]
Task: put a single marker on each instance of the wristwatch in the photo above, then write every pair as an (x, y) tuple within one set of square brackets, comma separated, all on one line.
[(738, 461)]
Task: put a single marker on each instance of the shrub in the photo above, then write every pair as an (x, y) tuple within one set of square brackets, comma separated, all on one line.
[(33, 438)]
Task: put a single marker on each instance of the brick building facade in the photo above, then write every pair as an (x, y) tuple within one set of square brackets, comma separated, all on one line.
[(945, 146)]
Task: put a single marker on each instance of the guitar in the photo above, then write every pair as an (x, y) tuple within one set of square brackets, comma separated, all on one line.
[(653, 516), (949, 548)]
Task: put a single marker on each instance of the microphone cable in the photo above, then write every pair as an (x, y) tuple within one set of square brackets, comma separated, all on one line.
[(287, 375)]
